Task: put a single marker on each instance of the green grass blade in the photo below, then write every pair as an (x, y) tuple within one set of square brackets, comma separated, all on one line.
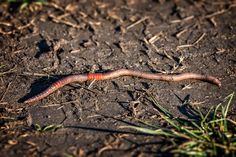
[(225, 110), (163, 132), (197, 126), (148, 124), (203, 121), (230, 98), (191, 133), (215, 115), (200, 114), (171, 122), (216, 121), (162, 109)]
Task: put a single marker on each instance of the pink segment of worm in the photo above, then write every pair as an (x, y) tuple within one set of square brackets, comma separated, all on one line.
[(122, 72)]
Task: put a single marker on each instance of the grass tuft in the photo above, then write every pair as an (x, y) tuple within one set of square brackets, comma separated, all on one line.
[(212, 134)]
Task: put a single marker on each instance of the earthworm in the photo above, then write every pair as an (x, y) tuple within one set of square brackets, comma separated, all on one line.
[(122, 72)]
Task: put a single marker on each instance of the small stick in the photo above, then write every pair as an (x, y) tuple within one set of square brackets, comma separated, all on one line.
[(137, 22), (182, 20)]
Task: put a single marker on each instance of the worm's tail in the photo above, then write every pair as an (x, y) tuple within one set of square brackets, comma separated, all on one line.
[(56, 85)]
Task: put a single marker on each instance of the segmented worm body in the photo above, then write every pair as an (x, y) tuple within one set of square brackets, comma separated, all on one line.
[(118, 73)]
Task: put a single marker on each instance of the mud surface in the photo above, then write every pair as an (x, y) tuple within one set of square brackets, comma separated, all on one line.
[(43, 43)]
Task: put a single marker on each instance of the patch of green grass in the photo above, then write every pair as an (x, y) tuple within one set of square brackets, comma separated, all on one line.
[(211, 134)]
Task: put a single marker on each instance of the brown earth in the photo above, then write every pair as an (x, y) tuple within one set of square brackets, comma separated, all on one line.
[(42, 43)]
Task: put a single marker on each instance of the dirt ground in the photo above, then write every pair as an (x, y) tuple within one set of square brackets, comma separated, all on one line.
[(42, 43)]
